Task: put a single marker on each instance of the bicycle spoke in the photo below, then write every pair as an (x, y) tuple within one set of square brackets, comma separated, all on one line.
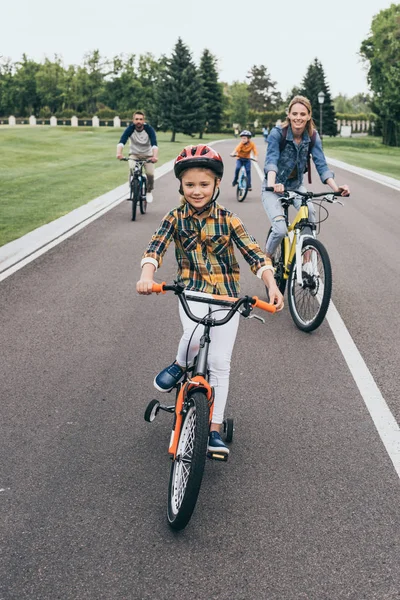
[(183, 461)]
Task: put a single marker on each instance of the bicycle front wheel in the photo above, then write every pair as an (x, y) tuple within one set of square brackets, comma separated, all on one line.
[(309, 302), (135, 194), (188, 467), (143, 201), (278, 263), (241, 188)]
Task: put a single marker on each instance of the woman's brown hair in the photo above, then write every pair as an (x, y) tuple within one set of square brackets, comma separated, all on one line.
[(307, 104)]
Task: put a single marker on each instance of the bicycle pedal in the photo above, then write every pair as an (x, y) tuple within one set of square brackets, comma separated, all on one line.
[(221, 456)]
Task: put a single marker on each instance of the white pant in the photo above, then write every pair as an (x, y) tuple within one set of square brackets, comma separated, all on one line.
[(220, 350)]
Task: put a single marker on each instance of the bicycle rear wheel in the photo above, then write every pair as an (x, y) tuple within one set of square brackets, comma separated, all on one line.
[(278, 263), (143, 192), (241, 188), (135, 192), (308, 304), (188, 467)]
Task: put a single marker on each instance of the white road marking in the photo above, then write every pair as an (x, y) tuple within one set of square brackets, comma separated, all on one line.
[(385, 423)]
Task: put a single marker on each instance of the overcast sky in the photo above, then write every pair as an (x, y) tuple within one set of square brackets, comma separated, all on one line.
[(284, 35)]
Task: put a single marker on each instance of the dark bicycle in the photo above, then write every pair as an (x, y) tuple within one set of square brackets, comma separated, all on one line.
[(137, 186)]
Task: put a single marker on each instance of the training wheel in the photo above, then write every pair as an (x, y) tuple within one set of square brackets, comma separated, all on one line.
[(151, 411), (228, 430)]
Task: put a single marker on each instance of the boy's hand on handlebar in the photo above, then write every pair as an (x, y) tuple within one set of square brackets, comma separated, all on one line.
[(279, 188), (120, 156), (145, 285)]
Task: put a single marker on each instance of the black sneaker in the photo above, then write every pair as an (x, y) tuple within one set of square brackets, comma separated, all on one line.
[(167, 379)]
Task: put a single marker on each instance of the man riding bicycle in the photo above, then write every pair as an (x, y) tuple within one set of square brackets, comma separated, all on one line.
[(143, 146)]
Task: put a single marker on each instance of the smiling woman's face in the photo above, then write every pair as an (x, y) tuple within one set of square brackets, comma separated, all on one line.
[(198, 186), (299, 117)]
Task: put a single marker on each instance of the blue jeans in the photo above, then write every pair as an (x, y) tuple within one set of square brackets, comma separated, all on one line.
[(247, 164)]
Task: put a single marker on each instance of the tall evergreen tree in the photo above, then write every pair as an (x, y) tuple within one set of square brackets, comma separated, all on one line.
[(262, 90), (313, 83), (212, 92), (180, 94)]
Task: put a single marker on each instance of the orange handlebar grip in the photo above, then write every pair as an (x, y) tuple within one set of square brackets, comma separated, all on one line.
[(264, 305), (158, 288)]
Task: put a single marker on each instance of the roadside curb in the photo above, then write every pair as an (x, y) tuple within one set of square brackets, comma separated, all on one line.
[(36, 242), (19, 252)]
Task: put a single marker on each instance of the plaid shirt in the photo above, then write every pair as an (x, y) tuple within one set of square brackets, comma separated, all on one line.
[(204, 249)]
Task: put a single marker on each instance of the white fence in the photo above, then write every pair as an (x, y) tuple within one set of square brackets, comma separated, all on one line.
[(73, 121)]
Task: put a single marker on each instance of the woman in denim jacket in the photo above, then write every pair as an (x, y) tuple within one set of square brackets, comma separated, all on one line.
[(284, 170)]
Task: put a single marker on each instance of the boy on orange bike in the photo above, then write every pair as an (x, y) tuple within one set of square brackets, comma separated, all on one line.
[(243, 152), (204, 233)]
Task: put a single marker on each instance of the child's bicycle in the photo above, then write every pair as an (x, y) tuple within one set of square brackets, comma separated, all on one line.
[(137, 187), (193, 407), (303, 262), (242, 185)]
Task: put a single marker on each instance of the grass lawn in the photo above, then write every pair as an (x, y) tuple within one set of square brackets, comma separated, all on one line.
[(48, 171), (367, 152)]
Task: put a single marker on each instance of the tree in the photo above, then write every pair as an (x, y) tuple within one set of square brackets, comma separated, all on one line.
[(180, 94), (212, 92), (50, 84), (262, 93), (25, 92), (239, 103), (381, 50), (360, 103), (7, 88), (313, 83)]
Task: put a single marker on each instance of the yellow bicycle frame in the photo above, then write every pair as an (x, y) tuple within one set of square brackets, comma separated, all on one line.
[(290, 246)]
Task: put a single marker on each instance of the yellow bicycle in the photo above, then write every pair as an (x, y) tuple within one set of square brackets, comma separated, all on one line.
[(303, 263)]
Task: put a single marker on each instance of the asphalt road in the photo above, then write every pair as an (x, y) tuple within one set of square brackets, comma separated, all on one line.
[(307, 506)]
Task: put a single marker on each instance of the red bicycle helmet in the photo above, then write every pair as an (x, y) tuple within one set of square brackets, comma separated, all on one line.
[(200, 157)]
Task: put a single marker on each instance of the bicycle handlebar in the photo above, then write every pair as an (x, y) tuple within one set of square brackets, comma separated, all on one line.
[(287, 193), (135, 159), (233, 303)]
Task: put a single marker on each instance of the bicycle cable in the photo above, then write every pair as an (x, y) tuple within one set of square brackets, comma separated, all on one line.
[(211, 312), (319, 215)]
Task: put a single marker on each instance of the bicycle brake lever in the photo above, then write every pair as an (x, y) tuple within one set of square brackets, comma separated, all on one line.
[(256, 317)]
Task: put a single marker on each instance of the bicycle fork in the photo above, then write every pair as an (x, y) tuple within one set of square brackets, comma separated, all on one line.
[(299, 259)]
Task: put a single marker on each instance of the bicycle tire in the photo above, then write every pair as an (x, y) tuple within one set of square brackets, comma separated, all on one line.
[(135, 192), (143, 201), (308, 305), (188, 467), (278, 263), (241, 192)]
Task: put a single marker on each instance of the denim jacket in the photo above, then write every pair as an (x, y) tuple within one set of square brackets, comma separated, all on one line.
[(292, 156)]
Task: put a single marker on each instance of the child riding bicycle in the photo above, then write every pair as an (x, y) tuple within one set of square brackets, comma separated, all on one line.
[(289, 147), (204, 233), (243, 152)]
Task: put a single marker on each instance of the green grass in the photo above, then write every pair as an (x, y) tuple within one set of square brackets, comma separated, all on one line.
[(48, 171), (367, 152)]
